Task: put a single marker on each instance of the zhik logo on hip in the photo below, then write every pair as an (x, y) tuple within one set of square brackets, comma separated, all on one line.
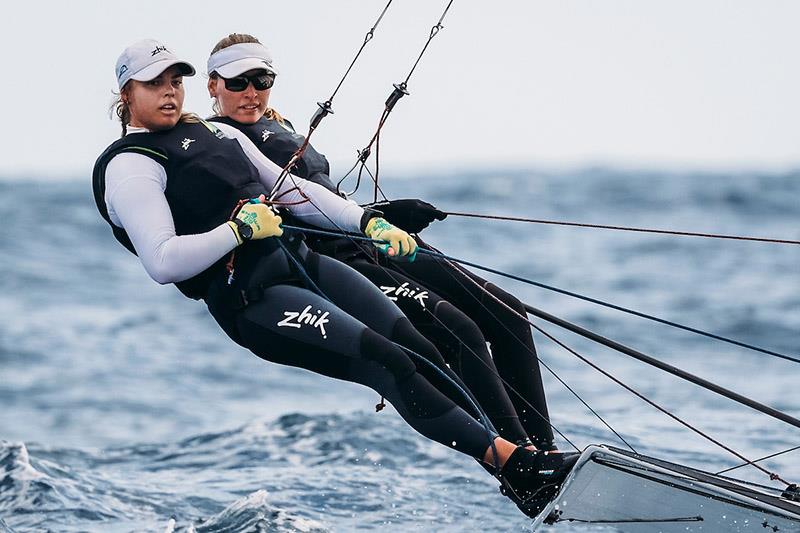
[(296, 319), (403, 291)]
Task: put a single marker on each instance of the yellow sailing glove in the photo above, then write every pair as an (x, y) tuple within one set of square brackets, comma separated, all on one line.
[(398, 242), (255, 220)]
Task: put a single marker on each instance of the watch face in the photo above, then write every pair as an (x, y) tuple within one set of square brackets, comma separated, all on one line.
[(245, 231)]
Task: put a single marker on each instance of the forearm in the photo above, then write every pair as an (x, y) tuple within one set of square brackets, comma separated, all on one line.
[(324, 209)]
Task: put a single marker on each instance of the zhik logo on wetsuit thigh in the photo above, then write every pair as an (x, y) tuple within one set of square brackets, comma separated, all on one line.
[(296, 319), (403, 291)]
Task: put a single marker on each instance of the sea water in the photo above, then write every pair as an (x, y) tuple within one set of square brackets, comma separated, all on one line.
[(123, 407)]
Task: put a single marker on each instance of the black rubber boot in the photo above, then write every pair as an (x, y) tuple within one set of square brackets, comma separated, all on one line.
[(546, 446), (532, 479)]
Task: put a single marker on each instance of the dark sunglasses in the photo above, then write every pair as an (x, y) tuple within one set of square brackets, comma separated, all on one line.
[(261, 82)]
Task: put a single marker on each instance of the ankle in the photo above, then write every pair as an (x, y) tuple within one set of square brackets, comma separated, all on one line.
[(504, 450)]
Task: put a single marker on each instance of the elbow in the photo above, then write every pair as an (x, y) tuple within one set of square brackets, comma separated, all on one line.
[(161, 275)]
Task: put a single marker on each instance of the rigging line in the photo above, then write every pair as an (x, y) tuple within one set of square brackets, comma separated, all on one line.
[(377, 167), (375, 180), (367, 38), (652, 361), (623, 309), (773, 476), (400, 90), (434, 30), (513, 389), (483, 419), (494, 371), (623, 228), (606, 304), (364, 153), (770, 456), (324, 109), (629, 351), (532, 353), (354, 238)]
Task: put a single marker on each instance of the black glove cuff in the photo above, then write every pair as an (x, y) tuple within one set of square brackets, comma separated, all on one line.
[(368, 215)]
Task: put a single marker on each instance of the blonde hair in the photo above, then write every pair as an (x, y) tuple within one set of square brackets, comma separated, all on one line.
[(230, 40), (122, 110)]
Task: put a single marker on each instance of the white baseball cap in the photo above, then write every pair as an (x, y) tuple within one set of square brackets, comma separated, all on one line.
[(145, 60), (239, 58)]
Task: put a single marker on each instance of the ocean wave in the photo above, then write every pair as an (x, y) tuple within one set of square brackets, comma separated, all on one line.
[(252, 513), (296, 473), (134, 406)]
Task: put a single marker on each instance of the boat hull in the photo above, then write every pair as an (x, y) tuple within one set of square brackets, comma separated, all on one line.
[(639, 494)]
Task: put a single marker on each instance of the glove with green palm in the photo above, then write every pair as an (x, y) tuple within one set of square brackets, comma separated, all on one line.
[(398, 242), (255, 220)]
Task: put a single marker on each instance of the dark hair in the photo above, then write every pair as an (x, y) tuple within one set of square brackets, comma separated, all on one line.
[(122, 110)]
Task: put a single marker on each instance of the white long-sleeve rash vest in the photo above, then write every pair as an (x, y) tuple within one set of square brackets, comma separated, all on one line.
[(135, 186)]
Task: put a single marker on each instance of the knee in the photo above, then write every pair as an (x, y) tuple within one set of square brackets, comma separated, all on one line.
[(509, 299), (463, 328), (377, 348), (407, 336)]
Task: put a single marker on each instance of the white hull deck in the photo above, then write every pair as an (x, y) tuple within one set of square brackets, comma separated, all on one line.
[(638, 494)]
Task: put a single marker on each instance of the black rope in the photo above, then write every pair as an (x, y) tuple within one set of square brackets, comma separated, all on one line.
[(617, 346), (770, 456), (598, 302), (355, 238), (484, 419), (623, 228), (772, 475), (367, 38), (491, 432), (324, 109), (675, 371), (534, 354), (400, 90), (434, 31), (627, 310)]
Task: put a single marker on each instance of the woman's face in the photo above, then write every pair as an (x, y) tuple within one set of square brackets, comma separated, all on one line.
[(156, 104), (246, 106)]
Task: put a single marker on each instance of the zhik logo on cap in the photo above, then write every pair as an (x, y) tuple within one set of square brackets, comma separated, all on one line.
[(147, 59)]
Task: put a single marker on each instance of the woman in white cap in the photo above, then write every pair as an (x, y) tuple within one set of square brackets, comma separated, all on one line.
[(187, 197), (446, 304)]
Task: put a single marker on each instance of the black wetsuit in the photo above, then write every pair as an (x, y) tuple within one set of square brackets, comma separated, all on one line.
[(293, 306), (451, 307)]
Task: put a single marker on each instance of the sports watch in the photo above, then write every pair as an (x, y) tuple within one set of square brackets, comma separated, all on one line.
[(245, 229)]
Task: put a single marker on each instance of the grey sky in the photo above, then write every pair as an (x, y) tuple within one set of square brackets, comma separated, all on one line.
[(635, 82)]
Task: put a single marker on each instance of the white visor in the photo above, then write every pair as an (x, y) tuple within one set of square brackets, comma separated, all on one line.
[(239, 58)]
